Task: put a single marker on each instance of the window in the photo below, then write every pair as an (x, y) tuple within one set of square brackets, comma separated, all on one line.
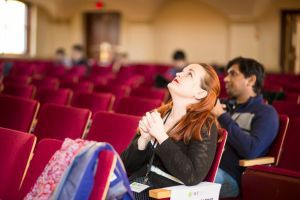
[(13, 27)]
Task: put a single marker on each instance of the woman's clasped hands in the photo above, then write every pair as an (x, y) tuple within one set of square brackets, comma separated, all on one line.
[(151, 127)]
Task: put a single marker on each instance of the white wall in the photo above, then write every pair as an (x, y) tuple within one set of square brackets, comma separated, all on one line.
[(243, 40), (153, 33), (194, 27), (140, 42), (50, 35)]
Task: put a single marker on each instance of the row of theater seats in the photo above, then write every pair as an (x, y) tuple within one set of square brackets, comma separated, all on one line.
[(59, 122), (18, 178), (101, 101), (283, 175), (110, 128), (17, 86), (146, 71), (25, 161)]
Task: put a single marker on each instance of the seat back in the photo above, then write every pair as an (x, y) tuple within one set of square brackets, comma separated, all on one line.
[(137, 106), (47, 82), (83, 86), (17, 79), (151, 93), (276, 147), (56, 71), (60, 122), (16, 150), (93, 101), (291, 109), (55, 96), (17, 113), (114, 128), (291, 148), (42, 154), (118, 91), (25, 91), (78, 70), (222, 137), (102, 176)]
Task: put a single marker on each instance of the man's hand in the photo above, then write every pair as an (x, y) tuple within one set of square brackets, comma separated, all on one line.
[(219, 109)]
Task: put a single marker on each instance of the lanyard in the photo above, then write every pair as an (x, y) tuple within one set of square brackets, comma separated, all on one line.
[(146, 178)]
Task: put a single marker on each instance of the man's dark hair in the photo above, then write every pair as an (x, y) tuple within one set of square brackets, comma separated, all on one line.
[(60, 51), (250, 67), (179, 55), (77, 47)]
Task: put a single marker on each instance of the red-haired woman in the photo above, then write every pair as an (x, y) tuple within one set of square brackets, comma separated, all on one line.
[(176, 144)]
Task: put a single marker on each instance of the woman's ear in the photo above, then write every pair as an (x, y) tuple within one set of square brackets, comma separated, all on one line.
[(201, 94)]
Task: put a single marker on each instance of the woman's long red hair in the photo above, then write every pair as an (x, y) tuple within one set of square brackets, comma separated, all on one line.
[(199, 118)]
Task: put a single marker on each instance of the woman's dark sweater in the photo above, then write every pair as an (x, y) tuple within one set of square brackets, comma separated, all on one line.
[(189, 163)]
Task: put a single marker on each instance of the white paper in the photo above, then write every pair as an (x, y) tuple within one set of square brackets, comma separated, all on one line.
[(138, 187), (202, 191)]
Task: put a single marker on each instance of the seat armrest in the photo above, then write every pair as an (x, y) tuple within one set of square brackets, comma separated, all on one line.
[(257, 161), (160, 193)]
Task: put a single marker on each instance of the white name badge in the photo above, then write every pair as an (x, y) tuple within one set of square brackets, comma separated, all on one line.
[(138, 187)]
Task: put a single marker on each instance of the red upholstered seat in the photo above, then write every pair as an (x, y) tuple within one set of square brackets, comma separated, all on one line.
[(222, 135), (25, 91), (23, 69), (103, 174), (17, 113), (16, 148), (93, 101), (83, 86), (114, 128), (261, 181), (292, 97), (57, 71), (276, 147), (17, 79), (291, 148), (151, 93), (137, 106), (55, 96), (60, 122), (47, 82), (78, 70), (42, 154), (291, 109), (118, 91)]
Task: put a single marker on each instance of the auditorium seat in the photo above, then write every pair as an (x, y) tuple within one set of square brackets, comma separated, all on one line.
[(114, 128), (277, 182), (16, 151), (42, 154), (17, 113), (55, 96), (93, 101), (60, 122), (25, 91), (137, 106), (150, 93)]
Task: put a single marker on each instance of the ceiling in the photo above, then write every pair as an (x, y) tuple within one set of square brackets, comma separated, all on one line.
[(234, 9)]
